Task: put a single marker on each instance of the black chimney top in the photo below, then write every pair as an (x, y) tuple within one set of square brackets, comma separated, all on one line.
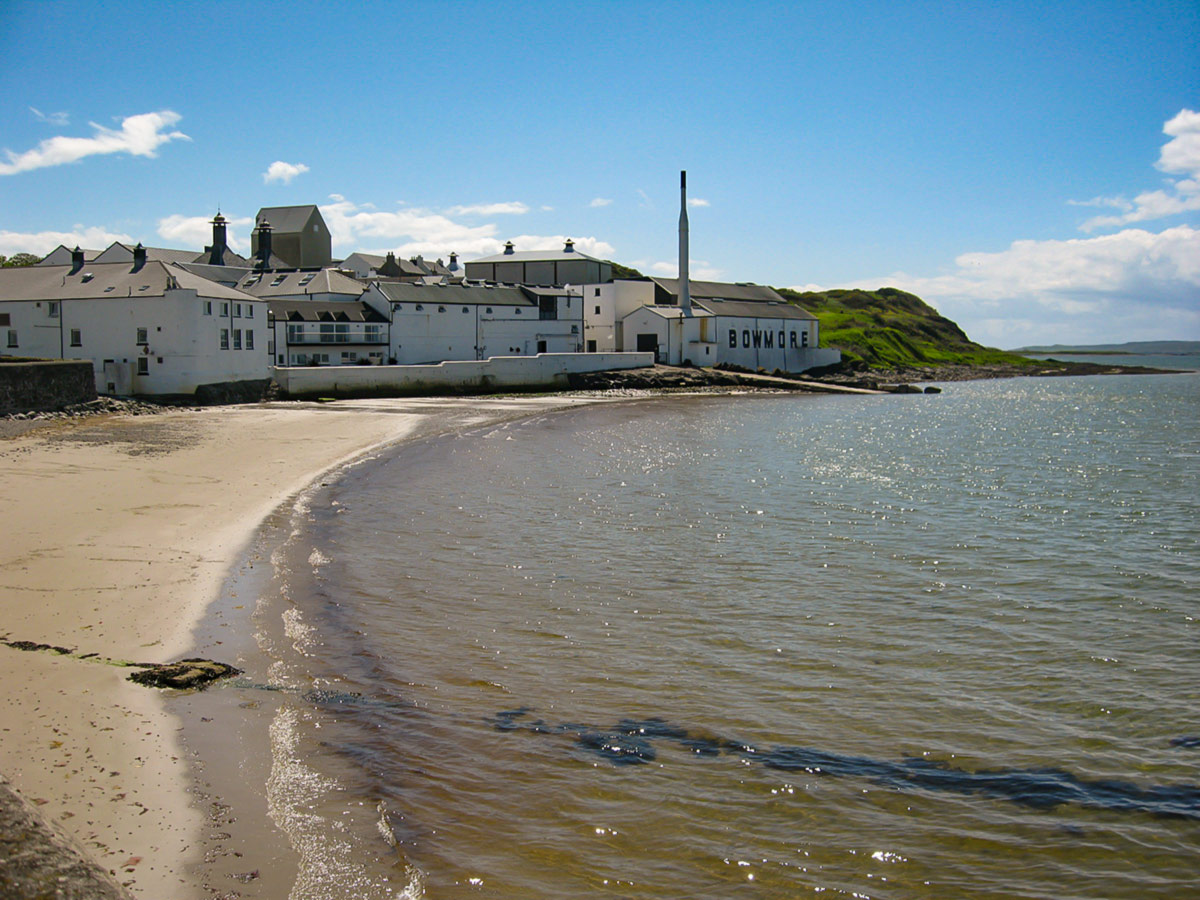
[(76, 259), (264, 244), (508, 248), (216, 256), (139, 257)]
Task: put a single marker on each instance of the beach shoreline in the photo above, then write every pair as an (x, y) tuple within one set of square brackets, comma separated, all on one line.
[(125, 533)]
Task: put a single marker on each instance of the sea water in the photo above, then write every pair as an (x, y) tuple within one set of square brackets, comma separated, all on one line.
[(935, 646)]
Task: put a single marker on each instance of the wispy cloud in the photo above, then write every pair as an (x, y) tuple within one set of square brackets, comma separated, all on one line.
[(1134, 282), (512, 208), (139, 135), (600, 201), (698, 201), (697, 268), (283, 172), (42, 242), (646, 202), (57, 119), (196, 231), (411, 230), (1179, 156)]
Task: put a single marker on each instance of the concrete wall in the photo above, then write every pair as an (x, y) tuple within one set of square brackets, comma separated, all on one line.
[(45, 384), (546, 371)]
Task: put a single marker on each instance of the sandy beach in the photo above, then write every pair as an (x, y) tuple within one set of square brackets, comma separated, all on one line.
[(120, 534)]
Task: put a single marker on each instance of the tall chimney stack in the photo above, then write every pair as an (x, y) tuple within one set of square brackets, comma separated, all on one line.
[(685, 292), (216, 255)]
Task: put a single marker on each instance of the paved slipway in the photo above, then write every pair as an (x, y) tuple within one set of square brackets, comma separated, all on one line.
[(37, 862)]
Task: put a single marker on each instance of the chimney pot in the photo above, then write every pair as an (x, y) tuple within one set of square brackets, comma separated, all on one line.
[(569, 246)]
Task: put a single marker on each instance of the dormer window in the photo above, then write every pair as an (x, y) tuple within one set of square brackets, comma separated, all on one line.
[(441, 309), (466, 309)]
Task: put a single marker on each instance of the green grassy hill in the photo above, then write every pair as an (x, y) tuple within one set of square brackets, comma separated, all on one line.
[(891, 329)]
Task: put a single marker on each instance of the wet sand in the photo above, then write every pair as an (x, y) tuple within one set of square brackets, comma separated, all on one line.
[(121, 533)]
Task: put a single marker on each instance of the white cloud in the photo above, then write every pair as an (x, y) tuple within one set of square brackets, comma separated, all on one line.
[(698, 201), (283, 171), (1179, 156), (139, 135), (42, 242), (57, 119), (196, 231), (1131, 285), (600, 201), (412, 230), (512, 208), (697, 269)]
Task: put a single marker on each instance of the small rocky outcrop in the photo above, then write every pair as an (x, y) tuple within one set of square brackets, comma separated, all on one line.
[(183, 675)]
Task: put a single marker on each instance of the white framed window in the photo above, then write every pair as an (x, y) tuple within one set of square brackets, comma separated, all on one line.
[(207, 308), (142, 336), (76, 337), (249, 310), (12, 339), (237, 310), (224, 308), (52, 309), (143, 365), (249, 339), (237, 339), (224, 338)]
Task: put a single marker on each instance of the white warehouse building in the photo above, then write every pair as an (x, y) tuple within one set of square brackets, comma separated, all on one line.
[(148, 327)]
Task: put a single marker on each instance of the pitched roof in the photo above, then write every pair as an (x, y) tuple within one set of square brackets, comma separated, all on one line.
[(400, 292), (536, 256), (324, 311), (737, 299), (287, 218), (282, 284), (106, 281)]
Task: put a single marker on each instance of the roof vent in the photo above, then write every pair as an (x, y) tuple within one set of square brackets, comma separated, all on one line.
[(569, 246), (508, 248)]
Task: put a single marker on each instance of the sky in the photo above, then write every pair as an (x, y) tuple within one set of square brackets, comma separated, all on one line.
[(1031, 170)]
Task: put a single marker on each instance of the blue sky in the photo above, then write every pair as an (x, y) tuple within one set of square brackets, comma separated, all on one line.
[(1032, 170)]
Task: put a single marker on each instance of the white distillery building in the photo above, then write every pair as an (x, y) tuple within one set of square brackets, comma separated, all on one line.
[(434, 323), (327, 333), (744, 324), (148, 327)]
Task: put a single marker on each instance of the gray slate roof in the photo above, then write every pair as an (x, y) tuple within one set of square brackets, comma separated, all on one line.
[(319, 311), (286, 218), (106, 281), (737, 299), (536, 256), (399, 292), (326, 281)]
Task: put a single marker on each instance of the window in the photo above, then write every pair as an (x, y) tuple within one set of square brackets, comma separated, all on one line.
[(224, 338), (307, 278), (591, 345), (271, 348), (249, 339), (237, 310), (518, 310), (488, 310), (5, 320), (441, 309), (597, 293), (547, 308), (466, 309), (224, 308), (12, 339), (597, 310), (237, 339), (142, 336), (278, 280), (52, 309), (249, 310), (419, 307), (207, 308), (76, 337), (143, 365)]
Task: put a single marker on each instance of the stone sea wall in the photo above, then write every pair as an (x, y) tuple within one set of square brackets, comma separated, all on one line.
[(28, 384)]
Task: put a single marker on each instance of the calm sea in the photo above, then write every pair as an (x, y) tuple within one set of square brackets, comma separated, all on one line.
[(929, 646)]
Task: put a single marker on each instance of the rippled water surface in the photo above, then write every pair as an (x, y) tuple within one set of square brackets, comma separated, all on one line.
[(904, 646)]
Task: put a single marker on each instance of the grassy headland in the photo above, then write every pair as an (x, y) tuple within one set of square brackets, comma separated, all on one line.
[(892, 329)]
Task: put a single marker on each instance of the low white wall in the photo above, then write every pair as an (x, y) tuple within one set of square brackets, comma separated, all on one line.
[(545, 370)]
